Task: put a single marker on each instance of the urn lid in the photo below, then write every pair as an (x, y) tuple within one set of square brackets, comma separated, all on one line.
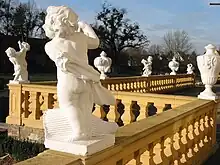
[(210, 46), (103, 54)]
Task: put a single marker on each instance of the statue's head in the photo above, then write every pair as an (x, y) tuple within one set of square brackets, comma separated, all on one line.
[(60, 20), (11, 52), (189, 65), (143, 61), (26, 46), (150, 58)]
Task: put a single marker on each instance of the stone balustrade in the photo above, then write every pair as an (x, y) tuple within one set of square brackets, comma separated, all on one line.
[(184, 135), (29, 101), (151, 84)]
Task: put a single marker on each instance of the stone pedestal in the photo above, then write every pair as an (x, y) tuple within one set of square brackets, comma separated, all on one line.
[(205, 97), (18, 82), (83, 147), (59, 136)]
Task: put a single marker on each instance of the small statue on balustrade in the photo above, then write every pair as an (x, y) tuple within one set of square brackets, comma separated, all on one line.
[(103, 64), (190, 69), (18, 59), (174, 66), (147, 66), (76, 130)]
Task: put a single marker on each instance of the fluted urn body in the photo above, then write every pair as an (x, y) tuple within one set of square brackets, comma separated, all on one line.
[(209, 67), (174, 66)]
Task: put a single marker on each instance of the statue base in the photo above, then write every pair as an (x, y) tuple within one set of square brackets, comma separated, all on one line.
[(206, 97), (59, 135), (83, 147), (173, 73), (18, 82)]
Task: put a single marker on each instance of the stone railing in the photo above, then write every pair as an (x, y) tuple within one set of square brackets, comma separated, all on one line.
[(151, 84), (185, 135), (29, 101)]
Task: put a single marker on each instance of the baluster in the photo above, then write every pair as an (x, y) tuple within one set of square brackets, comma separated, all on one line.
[(167, 107), (210, 129), (183, 142), (41, 103), (137, 157), (190, 142), (164, 148), (202, 133), (175, 147), (134, 111), (104, 109), (55, 102), (196, 138), (23, 104), (34, 105), (150, 109), (151, 153), (128, 86), (48, 100), (169, 150), (119, 111), (124, 87), (26, 104), (213, 116)]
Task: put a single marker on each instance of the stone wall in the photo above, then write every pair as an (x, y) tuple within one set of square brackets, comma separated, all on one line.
[(26, 133)]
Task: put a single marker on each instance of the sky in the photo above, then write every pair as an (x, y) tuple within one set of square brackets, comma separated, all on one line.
[(157, 17)]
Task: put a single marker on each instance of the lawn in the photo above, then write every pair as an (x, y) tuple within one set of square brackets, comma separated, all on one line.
[(18, 150)]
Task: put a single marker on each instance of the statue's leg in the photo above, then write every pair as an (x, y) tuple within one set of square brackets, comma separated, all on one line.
[(69, 96), (94, 125), (16, 78), (24, 76)]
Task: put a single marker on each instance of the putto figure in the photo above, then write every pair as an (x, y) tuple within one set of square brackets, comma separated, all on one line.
[(147, 66), (190, 69), (78, 87), (19, 62), (103, 64)]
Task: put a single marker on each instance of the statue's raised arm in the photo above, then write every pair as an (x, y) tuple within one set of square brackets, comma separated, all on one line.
[(93, 40)]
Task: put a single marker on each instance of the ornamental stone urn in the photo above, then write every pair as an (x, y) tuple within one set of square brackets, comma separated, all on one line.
[(174, 66), (209, 67), (103, 64)]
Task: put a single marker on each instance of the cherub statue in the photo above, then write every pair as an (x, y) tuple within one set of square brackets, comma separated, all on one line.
[(78, 86), (147, 66), (190, 69), (174, 66), (103, 64), (19, 62)]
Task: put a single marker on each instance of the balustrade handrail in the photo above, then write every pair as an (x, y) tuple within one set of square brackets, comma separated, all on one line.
[(148, 130), (29, 101), (151, 84)]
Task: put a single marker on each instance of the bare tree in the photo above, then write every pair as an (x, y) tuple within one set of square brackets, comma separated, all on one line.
[(7, 8), (27, 20), (177, 41), (155, 49)]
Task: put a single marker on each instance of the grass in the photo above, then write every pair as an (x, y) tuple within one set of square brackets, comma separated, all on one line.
[(19, 150)]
